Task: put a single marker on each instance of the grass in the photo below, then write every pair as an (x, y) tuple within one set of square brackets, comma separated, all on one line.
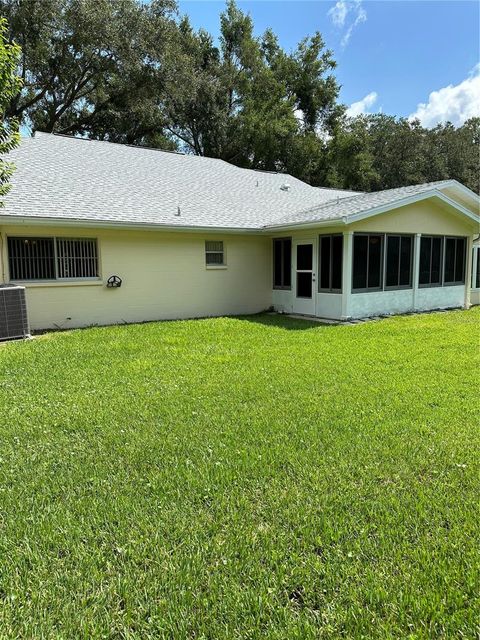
[(242, 478)]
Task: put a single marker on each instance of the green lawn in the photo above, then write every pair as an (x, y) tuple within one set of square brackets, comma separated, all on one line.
[(242, 478)]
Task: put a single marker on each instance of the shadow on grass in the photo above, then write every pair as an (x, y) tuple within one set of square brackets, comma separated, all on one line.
[(284, 322)]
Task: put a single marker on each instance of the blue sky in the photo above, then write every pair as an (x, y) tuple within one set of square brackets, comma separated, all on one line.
[(392, 56)]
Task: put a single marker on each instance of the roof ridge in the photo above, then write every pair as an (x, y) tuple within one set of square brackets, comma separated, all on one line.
[(357, 193), (336, 199), (120, 144), (180, 153)]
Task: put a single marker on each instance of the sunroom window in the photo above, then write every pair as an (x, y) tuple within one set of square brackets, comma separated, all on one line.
[(442, 261), (367, 262), (39, 258), (431, 250), (398, 262), (454, 261), (282, 263), (476, 273), (330, 263)]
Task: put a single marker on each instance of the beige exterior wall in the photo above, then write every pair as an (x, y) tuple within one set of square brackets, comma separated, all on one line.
[(164, 276), (426, 216)]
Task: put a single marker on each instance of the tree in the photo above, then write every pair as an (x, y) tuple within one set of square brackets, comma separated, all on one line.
[(86, 65), (454, 153), (9, 86), (134, 72), (374, 152), (248, 101)]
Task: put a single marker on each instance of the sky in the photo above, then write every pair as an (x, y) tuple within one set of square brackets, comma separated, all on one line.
[(411, 58)]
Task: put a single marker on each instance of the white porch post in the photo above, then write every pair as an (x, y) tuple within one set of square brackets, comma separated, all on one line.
[(416, 268), (347, 273), (468, 272)]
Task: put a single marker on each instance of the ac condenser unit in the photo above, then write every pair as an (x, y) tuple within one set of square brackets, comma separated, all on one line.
[(13, 313)]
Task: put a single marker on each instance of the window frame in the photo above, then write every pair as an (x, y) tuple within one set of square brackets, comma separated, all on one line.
[(282, 240), (475, 282), (56, 277), (455, 283), (443, 282), (398, 287), (215, 265), (382, 261), (429, 285), (330, 265)]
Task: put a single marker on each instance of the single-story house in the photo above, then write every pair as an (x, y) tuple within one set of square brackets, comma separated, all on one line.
[(188, 236)]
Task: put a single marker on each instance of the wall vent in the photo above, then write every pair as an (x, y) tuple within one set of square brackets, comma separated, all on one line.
[(13, 313)]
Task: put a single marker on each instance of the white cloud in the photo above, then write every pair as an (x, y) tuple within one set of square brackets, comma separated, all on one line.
[(338, 13), (362, 106), (455, 103), (344, 9)]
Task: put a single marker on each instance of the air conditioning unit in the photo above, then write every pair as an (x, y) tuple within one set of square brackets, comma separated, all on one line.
[(13, 313)]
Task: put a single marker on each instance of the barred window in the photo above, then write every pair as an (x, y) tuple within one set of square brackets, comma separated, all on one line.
[(77, 258), (214, 253), (52, 258)]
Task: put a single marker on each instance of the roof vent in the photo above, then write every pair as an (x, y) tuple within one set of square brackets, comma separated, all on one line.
[(285, 187)]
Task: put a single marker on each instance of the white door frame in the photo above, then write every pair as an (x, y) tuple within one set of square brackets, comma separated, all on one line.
[(304, 305)]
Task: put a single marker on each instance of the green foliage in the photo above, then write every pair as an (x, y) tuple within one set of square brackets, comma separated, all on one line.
[(134, 72), (241, 101), (373, 152), (260, 478), (85, 65), (9, 86)]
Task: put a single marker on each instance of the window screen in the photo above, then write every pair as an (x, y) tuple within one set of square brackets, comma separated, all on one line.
[(282, 263), (431, 248), (477, 285), (330, 263), (398, 261), (367, 261), (454, 272)]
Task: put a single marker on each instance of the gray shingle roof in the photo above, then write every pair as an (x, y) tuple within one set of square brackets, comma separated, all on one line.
[(64, 178), (358, 203), (71, 178)]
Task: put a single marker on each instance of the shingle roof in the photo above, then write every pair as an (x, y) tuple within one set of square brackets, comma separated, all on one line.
[(357, 203), (71, 178), (65, 178)]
